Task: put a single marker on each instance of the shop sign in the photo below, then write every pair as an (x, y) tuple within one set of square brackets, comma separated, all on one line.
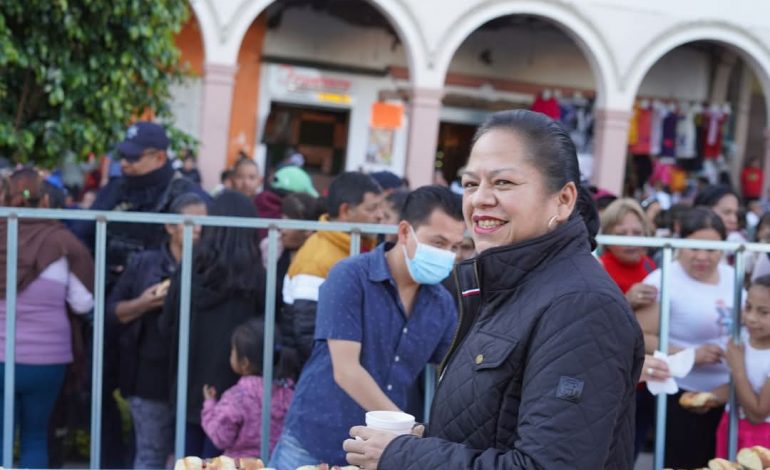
[(310, 83)]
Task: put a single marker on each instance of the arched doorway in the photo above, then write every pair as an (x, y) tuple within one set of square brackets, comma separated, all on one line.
[(700, 115), (516, 61), (330, 88)]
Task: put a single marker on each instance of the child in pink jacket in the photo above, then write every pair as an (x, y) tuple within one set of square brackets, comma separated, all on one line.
[(234, 423)]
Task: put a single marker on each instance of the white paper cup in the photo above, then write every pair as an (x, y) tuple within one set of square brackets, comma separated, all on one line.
[(393, 421)]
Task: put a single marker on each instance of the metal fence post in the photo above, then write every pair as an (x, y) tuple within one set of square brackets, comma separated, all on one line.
[(735, 335), (10, 340), (269, 342), (98, 346), (355, 242), (665, 316), (184, 340)]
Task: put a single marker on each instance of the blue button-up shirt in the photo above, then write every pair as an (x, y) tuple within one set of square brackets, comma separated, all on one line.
[(359, 302)]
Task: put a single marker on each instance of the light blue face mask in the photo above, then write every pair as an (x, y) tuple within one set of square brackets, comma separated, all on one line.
[(430, 265)]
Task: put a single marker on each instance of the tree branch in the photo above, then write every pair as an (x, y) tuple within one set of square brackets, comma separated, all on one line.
[(22, 101)]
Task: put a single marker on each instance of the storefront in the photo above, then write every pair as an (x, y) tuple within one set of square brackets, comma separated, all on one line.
[(338, 121)]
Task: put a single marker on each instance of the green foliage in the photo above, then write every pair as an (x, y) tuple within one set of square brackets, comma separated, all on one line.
[(74, 73)]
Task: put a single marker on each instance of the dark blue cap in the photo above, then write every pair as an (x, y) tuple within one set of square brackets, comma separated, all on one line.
[(140, 136)]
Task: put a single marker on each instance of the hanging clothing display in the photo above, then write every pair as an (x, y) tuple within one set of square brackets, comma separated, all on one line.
[(633, 133), (549, 107), (643, 132), (686, 134), (659, 113), (713, 132), (670, 124), (669, 141), (577, 118)]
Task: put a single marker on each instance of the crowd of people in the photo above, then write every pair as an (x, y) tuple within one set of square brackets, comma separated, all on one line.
[(541, 337)]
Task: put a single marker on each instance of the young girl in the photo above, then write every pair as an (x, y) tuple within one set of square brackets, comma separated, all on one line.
[(234, 423), (749, 363)]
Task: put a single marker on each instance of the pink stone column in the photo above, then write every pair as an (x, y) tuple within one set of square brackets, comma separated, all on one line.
[(424, 117), (218, 84), (610, 146)]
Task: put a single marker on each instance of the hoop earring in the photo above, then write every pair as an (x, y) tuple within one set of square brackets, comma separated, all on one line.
[(551, 221)]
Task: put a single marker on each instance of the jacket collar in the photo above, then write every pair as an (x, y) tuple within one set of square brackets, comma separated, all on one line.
[(505, 267), (378, 264), (156, 178)]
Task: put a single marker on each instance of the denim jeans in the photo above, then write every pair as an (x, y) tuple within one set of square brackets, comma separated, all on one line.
[(154, 431), (37, 388), (290, 455)]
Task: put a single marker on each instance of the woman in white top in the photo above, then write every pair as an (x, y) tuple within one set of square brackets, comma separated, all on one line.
[(701, 310)]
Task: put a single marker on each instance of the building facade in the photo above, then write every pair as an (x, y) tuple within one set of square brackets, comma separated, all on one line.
[(401, 84)]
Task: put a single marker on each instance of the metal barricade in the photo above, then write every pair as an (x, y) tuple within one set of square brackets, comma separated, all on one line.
[(668, 246), (101, 219)]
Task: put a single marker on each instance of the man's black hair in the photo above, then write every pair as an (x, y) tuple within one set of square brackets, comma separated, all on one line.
[(423, 201), (349, 188)]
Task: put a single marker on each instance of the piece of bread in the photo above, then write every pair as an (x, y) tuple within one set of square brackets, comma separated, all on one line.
[(189, 463), (696, 399), (162, 288), (248, 463), (722, 464), (754, 458), (221, 463)]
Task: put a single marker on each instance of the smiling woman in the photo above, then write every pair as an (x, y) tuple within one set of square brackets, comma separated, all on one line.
[(539, 314)]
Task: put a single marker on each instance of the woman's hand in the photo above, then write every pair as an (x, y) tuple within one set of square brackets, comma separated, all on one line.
[(654, 370), (736, 356), (641, 295), (367, 445), (708, 354)]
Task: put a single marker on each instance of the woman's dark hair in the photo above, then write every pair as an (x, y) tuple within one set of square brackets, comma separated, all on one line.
[(248, 342), (25, 188), (57, 197), (551, 150), (183, 201), (711, 195), (301, 206), (764, 220), (227, 258), (763, 281), (701, 218)]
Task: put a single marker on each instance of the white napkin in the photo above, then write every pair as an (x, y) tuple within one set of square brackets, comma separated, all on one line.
[(679, 365)]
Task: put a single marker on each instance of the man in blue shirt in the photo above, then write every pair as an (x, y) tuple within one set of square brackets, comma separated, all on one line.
[(382, 316)]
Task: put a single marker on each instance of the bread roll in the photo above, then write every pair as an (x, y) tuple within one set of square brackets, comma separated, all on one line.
[(722, 464), (247, 463), (222, 462), (189, 463), (754, 458), (162, 288), (696, 399)]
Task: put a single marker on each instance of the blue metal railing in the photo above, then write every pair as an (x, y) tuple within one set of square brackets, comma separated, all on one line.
[(668, 246), (101, 219), (274, 226)]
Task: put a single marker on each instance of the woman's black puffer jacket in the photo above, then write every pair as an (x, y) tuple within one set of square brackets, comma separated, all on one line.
[(543, 372)]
